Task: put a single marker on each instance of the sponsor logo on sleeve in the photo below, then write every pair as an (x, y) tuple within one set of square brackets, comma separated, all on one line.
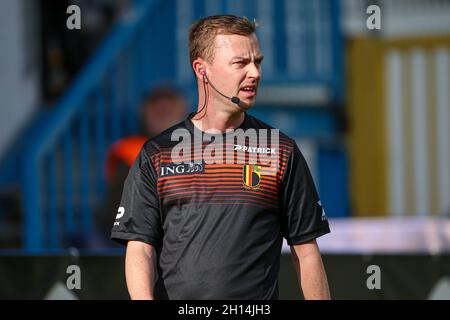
[(324, 216), (120, 213)]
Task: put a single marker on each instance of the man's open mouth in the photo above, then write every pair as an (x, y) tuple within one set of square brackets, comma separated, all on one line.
[(248, 89)]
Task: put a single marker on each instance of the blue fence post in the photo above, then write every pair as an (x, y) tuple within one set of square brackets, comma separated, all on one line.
[(147, 38), (131, 86), (33, 218), (52, 196), (86, 219), (100, 142), (145, 63), (116, 110), (68, 169), (338, 58), (280, 39), (333, 177)]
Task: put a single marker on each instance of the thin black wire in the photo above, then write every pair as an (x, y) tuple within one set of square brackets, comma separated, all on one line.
[(215, 89), (206, 99)]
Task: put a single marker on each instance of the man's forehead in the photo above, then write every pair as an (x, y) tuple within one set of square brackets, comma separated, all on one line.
[(236, 42)]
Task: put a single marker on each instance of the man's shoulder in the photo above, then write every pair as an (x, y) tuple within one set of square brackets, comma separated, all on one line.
[(164, 139)]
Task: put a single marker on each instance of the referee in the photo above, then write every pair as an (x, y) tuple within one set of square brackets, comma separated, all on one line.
[(209, 222)]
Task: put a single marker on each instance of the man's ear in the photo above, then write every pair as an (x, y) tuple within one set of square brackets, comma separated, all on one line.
[(199, 68)]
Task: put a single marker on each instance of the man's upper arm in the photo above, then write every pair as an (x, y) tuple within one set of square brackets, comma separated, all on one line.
[(138, 216), (303, 218)]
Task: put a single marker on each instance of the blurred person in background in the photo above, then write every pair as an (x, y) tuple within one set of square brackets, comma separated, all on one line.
[(161, 108)]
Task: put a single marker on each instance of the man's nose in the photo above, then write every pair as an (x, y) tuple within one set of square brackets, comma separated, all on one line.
[(254, 71)]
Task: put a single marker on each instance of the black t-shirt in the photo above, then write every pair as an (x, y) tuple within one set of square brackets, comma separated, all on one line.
[(217, 226)]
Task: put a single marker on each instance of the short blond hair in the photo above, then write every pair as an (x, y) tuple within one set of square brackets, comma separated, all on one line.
[(202, 33)]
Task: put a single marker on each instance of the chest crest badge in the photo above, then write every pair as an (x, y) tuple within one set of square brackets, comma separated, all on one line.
[(251, 176)]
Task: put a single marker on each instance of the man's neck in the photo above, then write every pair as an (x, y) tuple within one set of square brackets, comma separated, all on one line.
[(218, 120)]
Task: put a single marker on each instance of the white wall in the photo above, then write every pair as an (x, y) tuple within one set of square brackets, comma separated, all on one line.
[(399, 18), (19, 75)]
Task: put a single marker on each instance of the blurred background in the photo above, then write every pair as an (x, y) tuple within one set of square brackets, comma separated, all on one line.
[(369, 108)]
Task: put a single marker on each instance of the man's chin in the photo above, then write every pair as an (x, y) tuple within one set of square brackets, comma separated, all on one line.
[(247, 103)]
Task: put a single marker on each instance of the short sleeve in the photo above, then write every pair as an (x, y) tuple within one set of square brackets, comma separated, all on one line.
[(138, 216), (302, 216)]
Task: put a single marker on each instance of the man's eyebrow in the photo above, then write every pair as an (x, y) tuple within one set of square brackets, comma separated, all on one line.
[(260, 58), (239, 58)]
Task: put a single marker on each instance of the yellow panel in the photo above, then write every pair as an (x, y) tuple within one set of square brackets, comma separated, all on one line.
[(432, 134), (408, 133), (367, 127)]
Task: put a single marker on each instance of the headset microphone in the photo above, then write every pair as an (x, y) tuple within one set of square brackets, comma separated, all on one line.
[(233, 99)]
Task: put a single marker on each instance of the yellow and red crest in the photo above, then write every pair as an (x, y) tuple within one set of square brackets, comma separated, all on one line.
[(251, 176)]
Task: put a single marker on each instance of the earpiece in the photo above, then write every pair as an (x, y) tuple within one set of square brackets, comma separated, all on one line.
[(202, 71)]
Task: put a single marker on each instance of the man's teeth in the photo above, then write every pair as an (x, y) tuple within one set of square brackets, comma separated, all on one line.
[(248, 89)]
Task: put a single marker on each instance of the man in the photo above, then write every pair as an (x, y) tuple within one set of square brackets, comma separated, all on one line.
[(214, 229)]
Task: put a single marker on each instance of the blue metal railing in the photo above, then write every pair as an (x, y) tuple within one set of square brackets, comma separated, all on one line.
[(63, 164)]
